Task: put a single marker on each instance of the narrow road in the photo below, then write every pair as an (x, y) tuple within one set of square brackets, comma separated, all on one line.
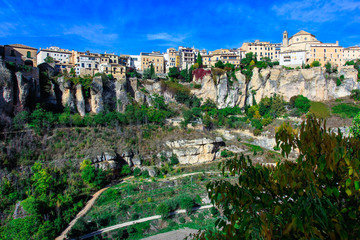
[(126, 224)]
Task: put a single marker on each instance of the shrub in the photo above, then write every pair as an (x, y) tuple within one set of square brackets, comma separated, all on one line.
[(315, 64), (182, 220), (256, 123), (338, 82), (346, 110), (174, 159), (257, 132), (137, 172), (187, 203), (163, 210), (355, 94), (302, 103)]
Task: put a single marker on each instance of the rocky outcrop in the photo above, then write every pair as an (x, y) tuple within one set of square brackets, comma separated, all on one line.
[(67, 99), (106, 161), (312, 83), (80, 101), (122, 99), (195, 151), (96, 92)]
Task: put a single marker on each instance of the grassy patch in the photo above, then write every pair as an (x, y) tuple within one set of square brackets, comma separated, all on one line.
[(346, 110), (254, 148), (319, 109)]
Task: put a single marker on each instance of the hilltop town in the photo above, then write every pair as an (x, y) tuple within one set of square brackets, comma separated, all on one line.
[(231, 143), (299, 50)]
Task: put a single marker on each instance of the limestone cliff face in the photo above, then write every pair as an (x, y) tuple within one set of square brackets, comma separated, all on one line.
[(80, 101), (195, 151), (96, 92), (67, 99), (312, 83)]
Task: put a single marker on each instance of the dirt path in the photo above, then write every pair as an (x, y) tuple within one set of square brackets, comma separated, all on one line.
[(87, 207), (89, 204), (126, 224)]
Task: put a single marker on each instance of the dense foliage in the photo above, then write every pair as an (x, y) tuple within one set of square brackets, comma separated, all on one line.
[(316, 197)]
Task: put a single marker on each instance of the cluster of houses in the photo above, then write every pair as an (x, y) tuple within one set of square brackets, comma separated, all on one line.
[(301, 48)]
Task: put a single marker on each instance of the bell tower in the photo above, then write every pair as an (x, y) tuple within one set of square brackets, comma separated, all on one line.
[(285, 39)]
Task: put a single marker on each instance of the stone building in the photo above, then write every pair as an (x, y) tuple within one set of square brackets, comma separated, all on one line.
[(351, 53), (20, 54), (263, 49), (304, 48), (154, 58)]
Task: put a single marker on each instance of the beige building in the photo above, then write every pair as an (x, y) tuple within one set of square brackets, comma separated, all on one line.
[(226, 56), (20, 54), (172, 58), (304, 45), (263, 49), (351, 53), (155, 58)]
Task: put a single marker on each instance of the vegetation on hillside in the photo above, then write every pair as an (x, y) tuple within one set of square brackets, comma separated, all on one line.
[(316, 197)]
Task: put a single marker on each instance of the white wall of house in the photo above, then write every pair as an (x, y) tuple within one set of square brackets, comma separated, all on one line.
[(292, 59)]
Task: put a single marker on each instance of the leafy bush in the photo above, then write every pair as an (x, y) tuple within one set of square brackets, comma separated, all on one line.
[(174, 159), (346, 110), (318, 195), (199, 73), (163, 210), (137, 172), (355, 94), (302, 103), (338, 82), (315, 64)]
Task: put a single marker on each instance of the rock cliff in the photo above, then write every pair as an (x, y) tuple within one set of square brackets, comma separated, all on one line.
[(20, 89)]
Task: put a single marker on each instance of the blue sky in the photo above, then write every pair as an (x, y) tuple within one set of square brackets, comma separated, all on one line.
[(134, 26)]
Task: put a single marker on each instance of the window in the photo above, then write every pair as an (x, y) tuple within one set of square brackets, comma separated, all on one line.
[(12, 53)]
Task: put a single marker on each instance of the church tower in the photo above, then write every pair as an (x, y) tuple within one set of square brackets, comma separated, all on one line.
[(285, 39)]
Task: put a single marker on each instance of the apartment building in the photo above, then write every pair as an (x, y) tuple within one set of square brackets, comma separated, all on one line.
[(263, 49), (134, 61), (20, 54), (187, 56), (226, 56), (351, 53), (59, 55), (172, 58), (154, 58), (87, 63)]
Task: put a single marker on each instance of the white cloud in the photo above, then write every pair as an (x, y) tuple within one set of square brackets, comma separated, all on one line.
[(94, 33), (316, 10), (179, 38)]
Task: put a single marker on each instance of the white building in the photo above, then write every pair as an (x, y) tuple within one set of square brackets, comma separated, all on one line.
[(134, 61), (351, 53), (293, 59), (60, 56), (87, 64)]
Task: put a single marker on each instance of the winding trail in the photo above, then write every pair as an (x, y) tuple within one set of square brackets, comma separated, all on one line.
[(126, 224), (91, 202), (87, 207)]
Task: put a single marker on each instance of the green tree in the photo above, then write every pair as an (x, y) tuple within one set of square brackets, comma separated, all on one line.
[(199, 60), (219, 64), (316, 197), (173, 73), (49, 59), (302, 103), (163, 210), (315, 64), (355, 128)]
